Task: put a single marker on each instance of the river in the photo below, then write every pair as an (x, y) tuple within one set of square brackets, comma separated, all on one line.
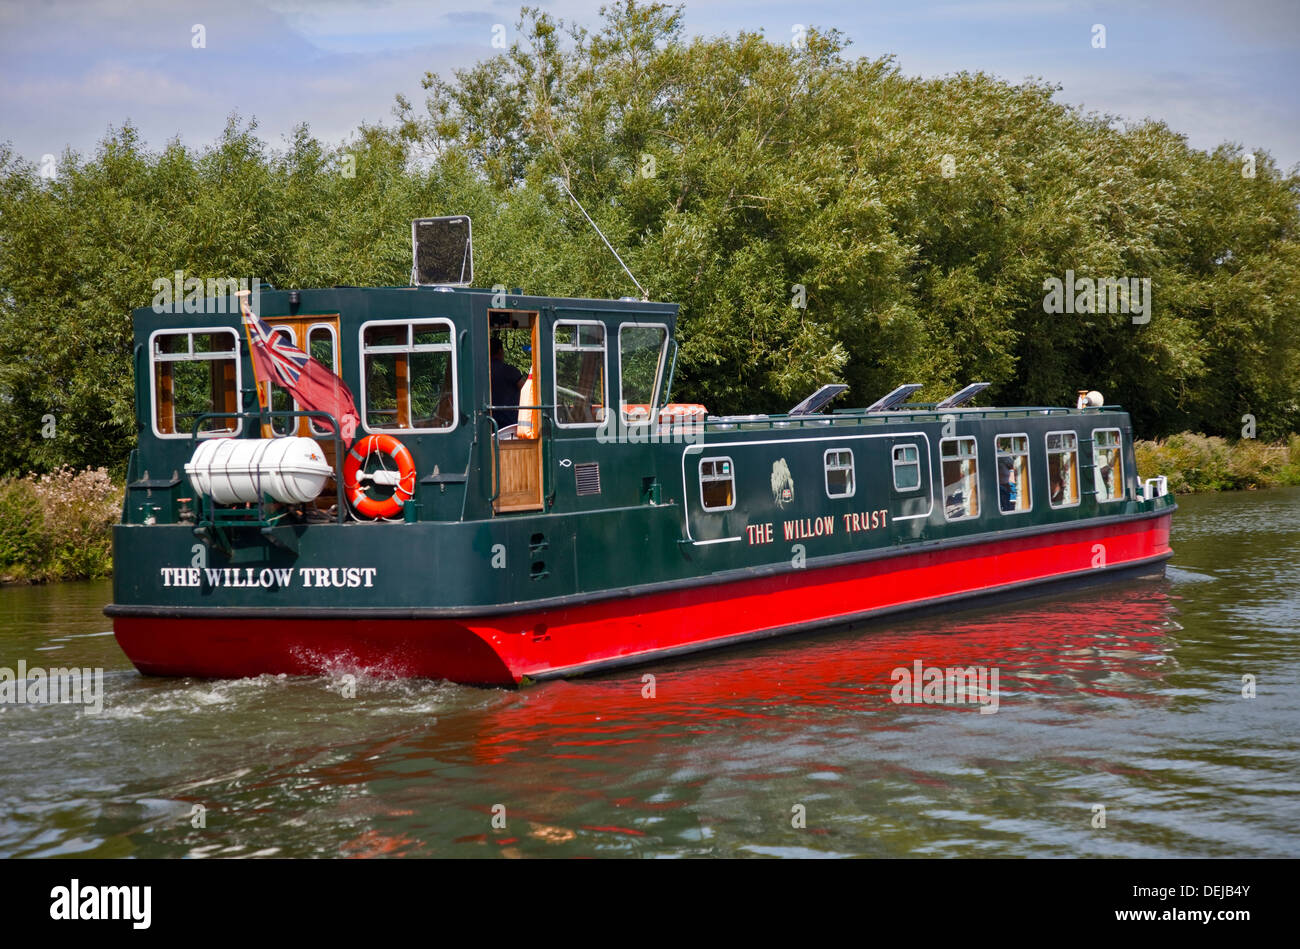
[(1121, 729)]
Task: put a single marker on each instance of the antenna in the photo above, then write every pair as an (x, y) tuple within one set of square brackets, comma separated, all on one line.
[(644, 295)]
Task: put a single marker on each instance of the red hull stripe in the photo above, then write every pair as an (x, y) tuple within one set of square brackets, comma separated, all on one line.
[(502, 650)]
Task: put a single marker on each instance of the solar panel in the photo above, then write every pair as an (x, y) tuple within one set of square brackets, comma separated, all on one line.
[(964, 396), (817, 401), (894, 398)]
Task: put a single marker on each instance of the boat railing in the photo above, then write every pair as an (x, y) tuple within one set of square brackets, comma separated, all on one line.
[(546, 424), (264, 517), (921, 412)]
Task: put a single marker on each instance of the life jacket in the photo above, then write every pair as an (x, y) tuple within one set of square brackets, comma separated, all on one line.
[(529, 424)]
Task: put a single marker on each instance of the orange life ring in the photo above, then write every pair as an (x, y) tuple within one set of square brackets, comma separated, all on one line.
[(403, 485)]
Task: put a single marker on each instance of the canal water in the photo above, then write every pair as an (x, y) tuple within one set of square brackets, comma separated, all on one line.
[(1123, 727)]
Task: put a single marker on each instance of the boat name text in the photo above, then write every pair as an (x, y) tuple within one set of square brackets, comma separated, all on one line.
[(272, 578), (824, 526)]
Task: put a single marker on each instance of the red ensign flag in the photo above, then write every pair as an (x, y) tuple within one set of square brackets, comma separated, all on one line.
[(314, 387)]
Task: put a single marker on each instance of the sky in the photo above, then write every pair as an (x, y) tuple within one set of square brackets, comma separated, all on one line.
[(69, 70)]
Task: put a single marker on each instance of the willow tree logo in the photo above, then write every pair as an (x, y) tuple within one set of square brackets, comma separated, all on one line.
[(1104, 295), (782, 483)]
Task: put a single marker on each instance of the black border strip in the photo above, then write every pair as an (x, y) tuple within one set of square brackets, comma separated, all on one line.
[(576, 599)]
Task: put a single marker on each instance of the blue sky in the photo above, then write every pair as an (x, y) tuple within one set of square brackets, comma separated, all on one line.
[(68, 70)]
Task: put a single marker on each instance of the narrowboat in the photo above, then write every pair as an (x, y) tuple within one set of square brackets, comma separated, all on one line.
[(521, 499)]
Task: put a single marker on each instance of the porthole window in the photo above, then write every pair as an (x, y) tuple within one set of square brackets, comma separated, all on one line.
[(907, 468), (839, 473), (717, 484)]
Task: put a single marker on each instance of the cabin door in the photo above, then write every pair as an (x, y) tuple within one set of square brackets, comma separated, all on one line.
[(514, 375), (318, 336)]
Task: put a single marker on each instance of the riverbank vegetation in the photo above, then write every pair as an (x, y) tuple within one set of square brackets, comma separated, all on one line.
[(57, 526), (1207, 463), (818, 217)]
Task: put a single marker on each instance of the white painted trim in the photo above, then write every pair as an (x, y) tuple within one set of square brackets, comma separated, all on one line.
[(1123, 495), (659, 371), (853, 474), (700, 471), (943, 487), (686, 514), (448, 347), (1048, 458), (604, 375), (894, 464), (190, 357), (335, 368), (1029, 463)]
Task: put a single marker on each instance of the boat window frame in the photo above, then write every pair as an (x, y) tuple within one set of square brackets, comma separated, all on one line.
[(659, 371), (851, 469), (411, 347), (272, 386), (732, 478), (896, 464), (943, 500), (334, 341), (190, 356), (1119, 448), (1029, 470), (1048, 452), (604, 375)]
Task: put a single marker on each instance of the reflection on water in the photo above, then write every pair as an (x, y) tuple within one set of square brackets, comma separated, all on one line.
[(1127, 696)]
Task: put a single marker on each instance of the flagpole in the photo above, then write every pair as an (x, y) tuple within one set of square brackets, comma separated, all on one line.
[(248, 335)]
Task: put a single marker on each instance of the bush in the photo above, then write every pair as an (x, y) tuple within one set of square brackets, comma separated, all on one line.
[(58, 526), (23, 544), (1195, 462)]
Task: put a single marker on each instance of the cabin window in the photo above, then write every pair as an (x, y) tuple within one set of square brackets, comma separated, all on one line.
[(281, 400), (907, 468), (579, 373), (1013, 473), (323, 347), (408, 379), (194, 372), (717, 484), (1108, 465), (641, 351), (960, 464), (839, 473), (1062, 469)]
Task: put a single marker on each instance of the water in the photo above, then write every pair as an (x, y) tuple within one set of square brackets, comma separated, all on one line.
[(1127, 696)]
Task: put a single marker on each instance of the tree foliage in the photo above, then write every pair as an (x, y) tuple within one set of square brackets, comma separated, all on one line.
[(916, 220)]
